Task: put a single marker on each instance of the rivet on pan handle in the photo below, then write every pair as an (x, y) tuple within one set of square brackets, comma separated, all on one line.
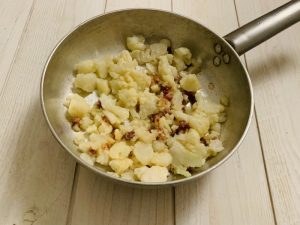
[(263, 28)]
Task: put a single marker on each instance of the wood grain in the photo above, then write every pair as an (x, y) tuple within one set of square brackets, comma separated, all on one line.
[(36, 175), (98, 201), (275, 71), (237, 192), (14, 15)]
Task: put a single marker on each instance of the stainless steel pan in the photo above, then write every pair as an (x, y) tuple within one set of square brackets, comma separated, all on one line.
[(222, 67)]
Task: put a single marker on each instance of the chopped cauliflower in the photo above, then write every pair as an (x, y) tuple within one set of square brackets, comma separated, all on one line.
[(78, 107), (190, 83), (143, 152), (150, 118), (136, 42)]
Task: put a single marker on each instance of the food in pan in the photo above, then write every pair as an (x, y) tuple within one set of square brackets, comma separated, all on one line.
[(150, 119)]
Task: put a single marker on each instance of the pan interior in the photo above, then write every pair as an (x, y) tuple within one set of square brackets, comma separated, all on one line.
[(107, 35)]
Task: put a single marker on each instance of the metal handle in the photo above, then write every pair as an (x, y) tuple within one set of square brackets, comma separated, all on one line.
[(266, 26)]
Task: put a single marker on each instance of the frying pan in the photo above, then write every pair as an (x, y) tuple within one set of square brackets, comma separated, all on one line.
[(106, 34)]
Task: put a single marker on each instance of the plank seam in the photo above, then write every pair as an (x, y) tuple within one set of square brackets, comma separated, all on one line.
[(18, 48), (259, 133), (72, 196)]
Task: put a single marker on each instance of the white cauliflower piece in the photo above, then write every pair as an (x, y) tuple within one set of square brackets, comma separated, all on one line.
[(85, 122), (138, 172), (86, 66), (113, 174), (117, 135), (117, 85), (159, 146), (79, 137), (143, 152), (78, 106), (158, 49), (179, 64), (177, 100), (200, 122), (166, 71), (101, 66), (185, 54), (144, 135), (97, 141), (153, 174), (190, 83), (92, 129), (102, 86), (103, 158), (120, 150), (84, 146), (143, 80), (86, 82), (105, 128), (142, 57), (162, 159), (196, 66), (148, 103), (109, 104), (136, 42), (183, 158), (120, 165), (129, 175), (111, 117), (152, 69), (216, 145), (128, 97)]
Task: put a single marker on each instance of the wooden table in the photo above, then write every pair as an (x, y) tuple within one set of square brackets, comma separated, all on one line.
[(41, 184)]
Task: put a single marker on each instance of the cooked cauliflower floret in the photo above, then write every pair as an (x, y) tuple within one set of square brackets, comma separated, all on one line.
[(86, 82), (162, 159), (185, 54), (143, 152), (144, 135), (102, 86), (159, 146), (128, 97), (158, 49), (190, 83), (216, 145), (166, 71), (86, 66), (129, 175), (103, 158), (120, 165), (84, 146), (109, 104), (152, 174), (136, 42), (120, 150), (79, 137), (142, 79), (147, 102), (78, 106), (101, 67)]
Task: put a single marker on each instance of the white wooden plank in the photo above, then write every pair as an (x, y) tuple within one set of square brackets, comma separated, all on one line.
[(126, 4), (13, 18), (275, 70), (36, 175), (98, 201), (237, 192)]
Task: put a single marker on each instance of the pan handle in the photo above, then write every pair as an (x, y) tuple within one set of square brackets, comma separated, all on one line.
[(264, 27)]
